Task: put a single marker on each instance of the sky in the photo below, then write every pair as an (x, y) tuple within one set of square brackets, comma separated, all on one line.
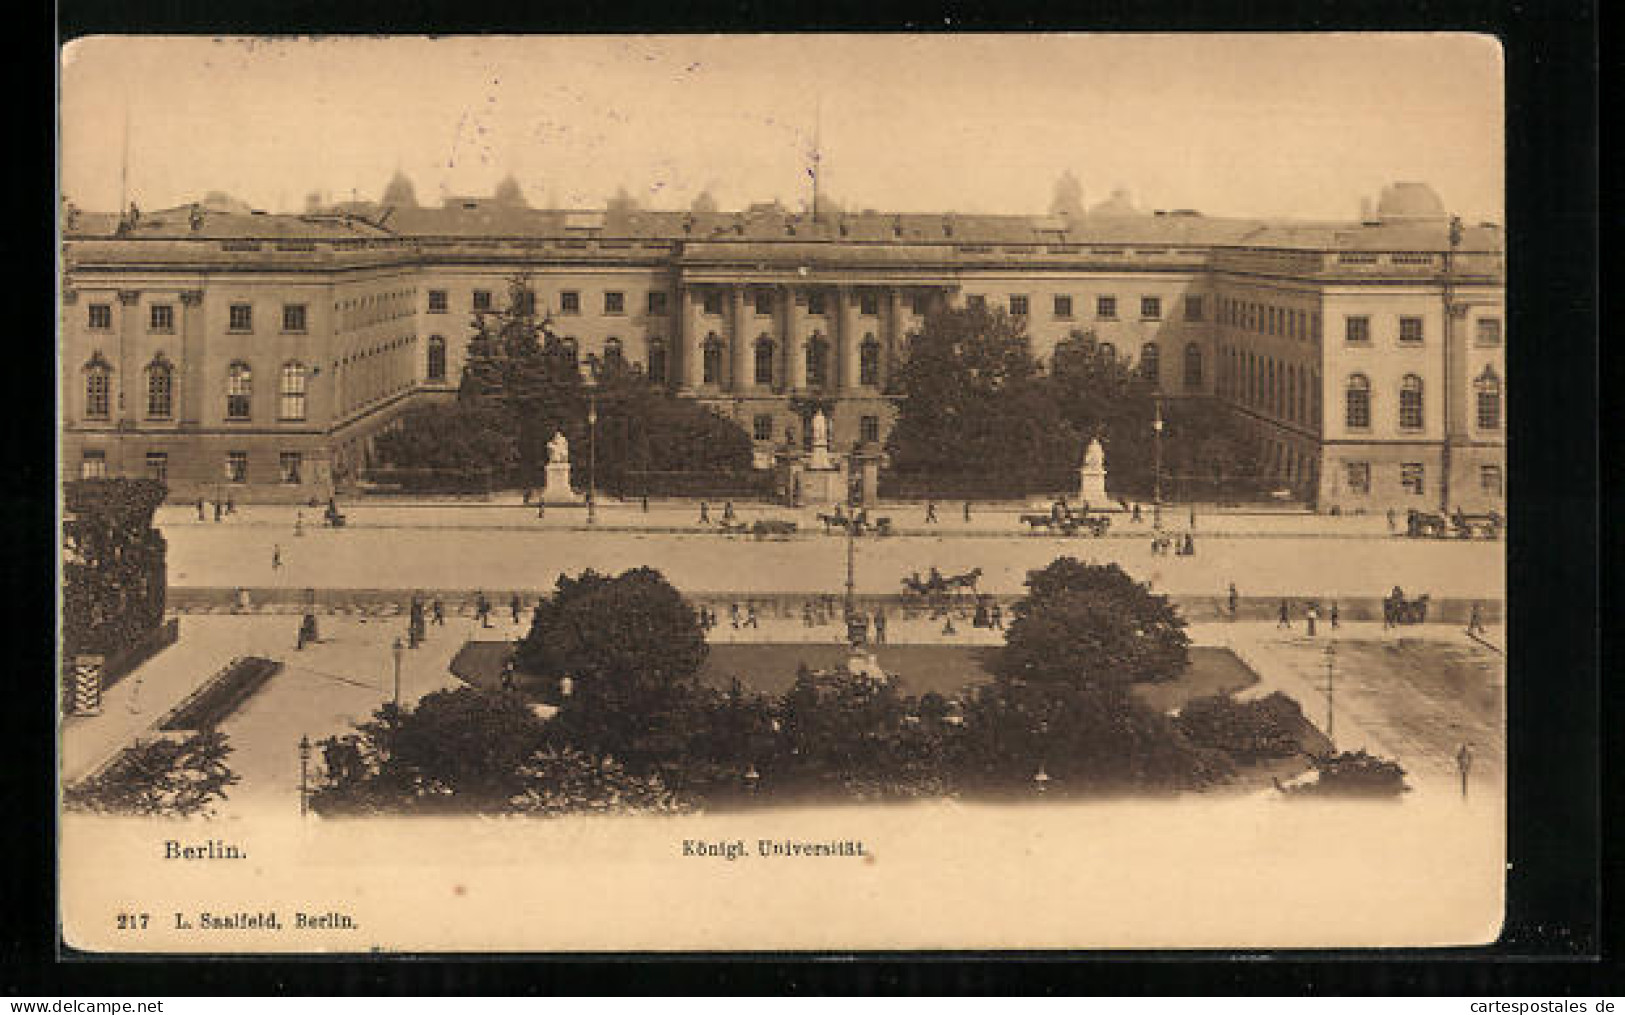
[(1291, 125)]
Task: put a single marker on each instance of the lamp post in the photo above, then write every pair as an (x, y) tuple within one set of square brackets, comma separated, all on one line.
[(1156, 468), (397, 650), (304, 775), (1331, 715), (592, 440)]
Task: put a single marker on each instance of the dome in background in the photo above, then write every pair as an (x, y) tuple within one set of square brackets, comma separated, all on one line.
[(1121, 203), (1410, 202)]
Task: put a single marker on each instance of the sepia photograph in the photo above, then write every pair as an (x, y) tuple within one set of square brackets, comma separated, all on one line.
[(795, 492)]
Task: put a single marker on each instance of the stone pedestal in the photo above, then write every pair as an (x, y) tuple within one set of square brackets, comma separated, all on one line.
[(556, 485), (1092, 475), (823, 486)]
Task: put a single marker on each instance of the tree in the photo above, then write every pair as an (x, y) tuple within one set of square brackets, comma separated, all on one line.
[(974, 401), (632, 648), (160, 778), (641, 426), (113, 570), (471, 440)]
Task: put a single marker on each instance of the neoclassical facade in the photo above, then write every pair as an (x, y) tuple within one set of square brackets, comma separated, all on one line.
[(259, 354)]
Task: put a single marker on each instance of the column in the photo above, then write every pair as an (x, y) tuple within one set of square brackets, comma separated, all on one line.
[(847, 340), (795, 352), (129, 402), (191, 373), (741, 377), (893, 336), (691, 360)]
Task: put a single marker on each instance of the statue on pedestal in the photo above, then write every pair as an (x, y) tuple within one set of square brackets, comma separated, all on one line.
[(556, 480), (1092, 475), (819, 457), (558, 449)]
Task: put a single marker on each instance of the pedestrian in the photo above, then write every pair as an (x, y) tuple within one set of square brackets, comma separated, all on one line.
[(967, 512), (645, 503), (299, 522), (439, 612), (1475, 621), (1156, 545), (705, 513), (880, 627), (527, 495), (1284, 617), (948, 624), (217, 510), (728, 511), (482, 609), (200, 509), (1235, 601), (541, 508), (1391, 522), (1464, 764), (733, 615), (1332, 615), (1136, 516), (1190, 545), (307, 630), (1193, 516), (998, 617), (806, 613), (276, 556), (514, 607), (930, 512), (231, 505), (750, 617), (1310, 616)]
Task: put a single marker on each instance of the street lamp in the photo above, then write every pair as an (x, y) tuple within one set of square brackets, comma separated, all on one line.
[(398, 650), (1331, 716), (1156, 468), (304, 775), (591, 381)]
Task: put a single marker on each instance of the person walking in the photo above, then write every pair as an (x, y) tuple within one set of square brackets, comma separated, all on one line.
[(705, 513), (750, 617), (541, 508), (1284, 616), (1235, 601), (967, 512), (1391, 522), (1475, 620), (231, 505), (218, 509), (1190, 545), (1135, 515), (482, 609), (200, 510), (930, 512), (439, 612), (1331, 615), (526, 498), (514, 606), (880, 627), (645, 503), (1464, 765), (276, 556), (299, 522), (1310, 616), (1193, 516), (728, 511), (733, 615)]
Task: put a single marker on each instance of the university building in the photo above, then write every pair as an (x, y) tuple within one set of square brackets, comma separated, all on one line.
[(257, 355)]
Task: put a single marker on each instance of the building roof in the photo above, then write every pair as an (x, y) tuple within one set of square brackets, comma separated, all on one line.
[(1410, 200)]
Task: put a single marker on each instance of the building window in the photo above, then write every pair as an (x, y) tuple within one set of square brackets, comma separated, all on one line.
[(1107, 350), (869, 362), (976, 301), (1357, 396), (1106, 308), (98, 388), (241, 317), (93, 465), (657, 304), (1489, 331), (712, 304), (437, 358), (1411, 478), (160, 389), (761, 428), (1150, 362), (1193, 366), (236, 466), (1410, 403), (290, 463), (161, 317), (614, 358), (438, 303), (920, 303), (764, 363), (569, 302), (1357, 329), (868, 304), (1151, 308), (817, 361), (524, 303), (1359, 477), (712, 359), (1489, 480), (482, 299), (656, 366), (100, 317), (239, 391), (158, 466), (292, 404), (1018, 306), (1410, 329), (293, 317), (1063, 307), (614, 303), (1488, 391), (1193, 308), (764, 305), (570, 350), (869, 429)]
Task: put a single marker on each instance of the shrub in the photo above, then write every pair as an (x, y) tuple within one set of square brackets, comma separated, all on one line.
[(160, 778), (1267, 727), (1354, 774)]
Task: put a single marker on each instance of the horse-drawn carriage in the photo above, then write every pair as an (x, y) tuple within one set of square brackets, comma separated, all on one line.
[(1067, 521), (1430, 525), (763, 528), (1397, 610), (941, 592), (860, 524)]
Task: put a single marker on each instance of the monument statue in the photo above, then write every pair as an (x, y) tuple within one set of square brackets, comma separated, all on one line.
[(558, 449), (820, 430), (818, 458), (1092, 475), (1095, 456)]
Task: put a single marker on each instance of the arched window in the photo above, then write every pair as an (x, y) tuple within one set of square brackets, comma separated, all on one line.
[(437, 358), (657, 361), (764, 360), (1488, 390), (1357, 399), (1108, 350), (98, 388), (292, 403), (1193, 366), (1150, 362), (160, 388), (713, 359), (1410, 403), (239, 391), (869, 362), (614, 358), (817, 361), (571, 350)]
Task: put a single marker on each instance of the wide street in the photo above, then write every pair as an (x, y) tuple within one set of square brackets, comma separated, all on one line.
[(506, 547)]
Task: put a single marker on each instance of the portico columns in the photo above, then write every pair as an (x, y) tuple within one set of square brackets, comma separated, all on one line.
[(693, 355), (740, 377), (795, 352), (894, 335), (846, 325)]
